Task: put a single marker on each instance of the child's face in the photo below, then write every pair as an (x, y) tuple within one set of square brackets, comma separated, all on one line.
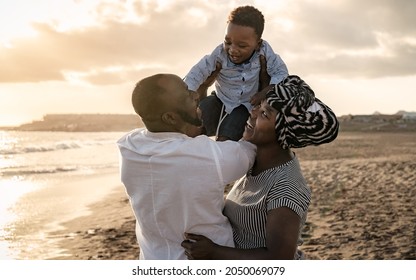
[(240, 42)]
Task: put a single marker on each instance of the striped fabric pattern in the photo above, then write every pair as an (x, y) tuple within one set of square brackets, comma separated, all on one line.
[(302, 119), (252, 197)]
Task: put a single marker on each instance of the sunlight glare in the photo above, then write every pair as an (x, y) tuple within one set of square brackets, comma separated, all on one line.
[(13, 24), (17, 22), (10, 191)]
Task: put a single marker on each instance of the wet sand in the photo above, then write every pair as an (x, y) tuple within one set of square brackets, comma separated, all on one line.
[(51, 201), (363, 205)]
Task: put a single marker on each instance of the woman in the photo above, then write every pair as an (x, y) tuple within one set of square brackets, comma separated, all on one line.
[(267, 208)]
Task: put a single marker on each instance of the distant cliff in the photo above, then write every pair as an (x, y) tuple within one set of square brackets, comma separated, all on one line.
[(84, 123)]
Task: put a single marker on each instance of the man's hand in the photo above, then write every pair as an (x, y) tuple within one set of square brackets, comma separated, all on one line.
[(260, 96), (203, 88), (264, 83), (264, 78)]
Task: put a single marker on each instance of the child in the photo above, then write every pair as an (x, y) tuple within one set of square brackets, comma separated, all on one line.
[(226, 111)]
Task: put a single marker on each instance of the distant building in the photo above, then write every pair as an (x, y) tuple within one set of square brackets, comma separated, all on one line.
[(409, 116), (402, 121)]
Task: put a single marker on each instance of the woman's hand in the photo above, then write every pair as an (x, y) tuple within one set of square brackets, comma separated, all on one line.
[(198, 247)]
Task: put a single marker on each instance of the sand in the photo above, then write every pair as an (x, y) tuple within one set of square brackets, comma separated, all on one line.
[(363, 205)]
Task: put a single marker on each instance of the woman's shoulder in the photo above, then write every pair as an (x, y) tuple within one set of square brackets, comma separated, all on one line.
[(288, 176)]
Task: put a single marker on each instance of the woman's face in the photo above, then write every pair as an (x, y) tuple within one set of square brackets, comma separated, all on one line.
[(260, 129), (240, 42)]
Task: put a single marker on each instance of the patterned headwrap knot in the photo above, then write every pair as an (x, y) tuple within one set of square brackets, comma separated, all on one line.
[(302, 119)]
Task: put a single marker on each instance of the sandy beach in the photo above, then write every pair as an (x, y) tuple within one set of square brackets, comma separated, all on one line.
[(363, 205)]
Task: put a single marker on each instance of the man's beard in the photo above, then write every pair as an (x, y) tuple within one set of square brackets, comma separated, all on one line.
[(189, 119)]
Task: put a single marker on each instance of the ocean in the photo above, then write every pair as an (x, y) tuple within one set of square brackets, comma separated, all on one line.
[(47, 178)]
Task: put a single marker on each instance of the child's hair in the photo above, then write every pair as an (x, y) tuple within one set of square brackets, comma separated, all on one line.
[(248, 16)]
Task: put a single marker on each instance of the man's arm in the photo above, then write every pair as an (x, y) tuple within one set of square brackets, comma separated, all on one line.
[(203, 88)]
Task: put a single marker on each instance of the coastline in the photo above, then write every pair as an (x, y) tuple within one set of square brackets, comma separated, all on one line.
[(107, 233), (40, 215), (362, 208)]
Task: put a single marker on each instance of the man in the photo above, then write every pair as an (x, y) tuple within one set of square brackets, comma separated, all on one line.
[(174, 176)]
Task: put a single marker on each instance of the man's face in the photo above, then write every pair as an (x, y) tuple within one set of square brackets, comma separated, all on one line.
[(240, 42), (189, 119), (186, 108), (190, 112)]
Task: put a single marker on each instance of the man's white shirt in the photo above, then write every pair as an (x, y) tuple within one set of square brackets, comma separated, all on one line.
[(175, 184)]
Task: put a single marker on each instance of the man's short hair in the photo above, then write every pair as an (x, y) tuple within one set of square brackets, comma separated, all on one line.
[(146, 92)]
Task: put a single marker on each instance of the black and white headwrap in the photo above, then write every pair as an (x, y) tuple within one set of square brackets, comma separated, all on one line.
[(302, 119)]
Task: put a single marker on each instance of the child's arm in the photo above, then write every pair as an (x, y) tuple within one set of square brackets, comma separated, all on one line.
[(276, 67), (200, 72)]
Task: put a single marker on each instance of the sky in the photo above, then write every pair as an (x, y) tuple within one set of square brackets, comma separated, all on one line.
[(59, 57)]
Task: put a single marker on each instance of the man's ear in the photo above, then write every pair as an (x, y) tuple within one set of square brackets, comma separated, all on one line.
[(169, 118)]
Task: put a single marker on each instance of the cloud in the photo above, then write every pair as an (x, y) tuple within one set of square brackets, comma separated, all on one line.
[(350, 38), (340, 38), (166, 37)]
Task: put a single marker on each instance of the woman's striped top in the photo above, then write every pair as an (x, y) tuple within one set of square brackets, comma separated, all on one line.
[(252, 197)]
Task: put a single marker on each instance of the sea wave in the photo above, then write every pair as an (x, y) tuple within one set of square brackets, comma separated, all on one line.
[(9, 172), (47, 147), (37, 154), (32, 170)]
